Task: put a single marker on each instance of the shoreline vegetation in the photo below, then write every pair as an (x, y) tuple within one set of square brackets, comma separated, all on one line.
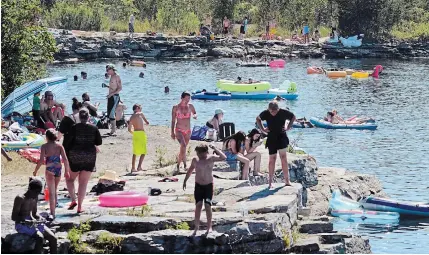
[(27, 45)]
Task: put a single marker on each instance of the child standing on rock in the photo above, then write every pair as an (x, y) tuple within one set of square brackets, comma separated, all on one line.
[(139, 136), (203, 193)]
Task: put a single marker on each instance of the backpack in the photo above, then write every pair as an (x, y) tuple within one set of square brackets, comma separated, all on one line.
[(199, 133)]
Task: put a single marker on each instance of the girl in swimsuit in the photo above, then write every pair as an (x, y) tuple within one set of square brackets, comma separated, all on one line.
[(181, 125), (234, 148), (53, 152)]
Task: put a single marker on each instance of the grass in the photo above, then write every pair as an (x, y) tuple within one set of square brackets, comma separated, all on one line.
[(180, 226), (161, 159), (108, 243), (145, 211), (75, 235), (411, 31)]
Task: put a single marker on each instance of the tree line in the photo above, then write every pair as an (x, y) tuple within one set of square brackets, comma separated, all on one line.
[(27, 46)]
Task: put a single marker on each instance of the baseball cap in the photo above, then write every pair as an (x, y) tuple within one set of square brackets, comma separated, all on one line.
[(218, 111)]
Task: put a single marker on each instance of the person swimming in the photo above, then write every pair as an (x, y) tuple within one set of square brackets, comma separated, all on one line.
[(141, 75), (166, 89), (238, 80)]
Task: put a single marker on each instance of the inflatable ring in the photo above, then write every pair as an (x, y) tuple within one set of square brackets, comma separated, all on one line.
[(123, 199), (360, 75)]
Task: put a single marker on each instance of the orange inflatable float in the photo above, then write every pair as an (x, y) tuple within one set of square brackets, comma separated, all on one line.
[(314, 70)]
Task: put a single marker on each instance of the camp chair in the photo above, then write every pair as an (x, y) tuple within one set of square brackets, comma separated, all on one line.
[(226, 129)]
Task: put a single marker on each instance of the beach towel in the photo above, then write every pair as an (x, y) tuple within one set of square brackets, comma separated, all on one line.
[(139, 142)]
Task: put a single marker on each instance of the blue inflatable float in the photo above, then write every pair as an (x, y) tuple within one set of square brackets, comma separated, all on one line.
[(211, 95), (320, 123)]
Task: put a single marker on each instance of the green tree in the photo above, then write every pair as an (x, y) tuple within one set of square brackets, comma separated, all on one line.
[(26, 46)]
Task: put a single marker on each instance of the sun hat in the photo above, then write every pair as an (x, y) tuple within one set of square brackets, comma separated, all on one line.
[(110, 175), (218, 111)]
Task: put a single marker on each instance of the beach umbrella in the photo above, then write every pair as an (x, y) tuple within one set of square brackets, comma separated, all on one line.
[(21, 99)]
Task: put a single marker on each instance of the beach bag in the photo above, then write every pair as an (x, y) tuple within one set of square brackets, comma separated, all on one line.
[(199, 133), (107, 186)]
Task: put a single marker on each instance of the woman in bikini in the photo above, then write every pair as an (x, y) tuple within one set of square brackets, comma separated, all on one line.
[(181, 125), (252, 142), (234, 148), (52, 152)]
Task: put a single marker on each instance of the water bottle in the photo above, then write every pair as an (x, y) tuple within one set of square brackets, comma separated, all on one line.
[(243, 209)]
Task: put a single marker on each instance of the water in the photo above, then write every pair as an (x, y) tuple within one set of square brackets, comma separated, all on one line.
[(396, 153)]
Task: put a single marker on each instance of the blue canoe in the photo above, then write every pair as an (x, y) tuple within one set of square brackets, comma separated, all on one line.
[(211, 95), (387, 205), (320, 123), (263, 95), (21, 99)]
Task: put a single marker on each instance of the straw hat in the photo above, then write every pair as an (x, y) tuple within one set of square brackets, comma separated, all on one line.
[(110, 175)]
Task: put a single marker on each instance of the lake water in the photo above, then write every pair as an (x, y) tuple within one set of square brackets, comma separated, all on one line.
[(397, 153)]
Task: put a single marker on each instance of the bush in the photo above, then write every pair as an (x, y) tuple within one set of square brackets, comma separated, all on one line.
[(80, 16)]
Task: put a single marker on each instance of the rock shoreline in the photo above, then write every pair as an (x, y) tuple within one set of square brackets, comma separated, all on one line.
[(89, 46), (247, 217)]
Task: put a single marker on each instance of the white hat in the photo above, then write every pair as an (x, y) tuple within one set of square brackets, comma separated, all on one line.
[(110, 175)]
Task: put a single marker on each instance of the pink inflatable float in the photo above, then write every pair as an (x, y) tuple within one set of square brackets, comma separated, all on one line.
[(277, 63), (123, 199)]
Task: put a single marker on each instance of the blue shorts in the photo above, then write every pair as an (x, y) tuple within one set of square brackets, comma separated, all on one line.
[(306, 30), (230, 156)]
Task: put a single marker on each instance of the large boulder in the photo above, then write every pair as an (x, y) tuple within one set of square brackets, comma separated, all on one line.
[(221, 52), (18, 243), (111, 53)]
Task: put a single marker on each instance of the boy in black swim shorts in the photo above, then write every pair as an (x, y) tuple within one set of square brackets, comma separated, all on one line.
[(203, 193), (277, 141)]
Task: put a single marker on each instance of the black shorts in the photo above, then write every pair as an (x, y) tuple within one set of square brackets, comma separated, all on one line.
[(242, 30), (276, 143), (203, 193), (225, 30), (112, 103), (130, 28), (36, 115)]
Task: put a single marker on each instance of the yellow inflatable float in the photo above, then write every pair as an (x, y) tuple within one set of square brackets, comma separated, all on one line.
[(231, 86), (360, 75)]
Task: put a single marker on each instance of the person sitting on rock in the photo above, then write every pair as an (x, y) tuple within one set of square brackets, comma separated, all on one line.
[(203, 165), (28, 222)]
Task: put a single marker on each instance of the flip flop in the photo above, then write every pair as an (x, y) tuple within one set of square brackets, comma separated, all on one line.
[(72, 205), (169, 179)]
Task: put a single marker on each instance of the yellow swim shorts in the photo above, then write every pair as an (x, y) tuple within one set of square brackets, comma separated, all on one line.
[(139, 143)]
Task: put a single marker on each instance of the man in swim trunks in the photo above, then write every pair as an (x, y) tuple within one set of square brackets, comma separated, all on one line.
[(115, 86), (28, 222), (203, 193), (277, 141), (139, 136)]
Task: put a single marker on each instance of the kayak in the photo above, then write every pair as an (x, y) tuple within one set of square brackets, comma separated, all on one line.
[(231, 86), (325, 124), (277, 63), (405, 208), (363, 214), (251, 64), (264, 95), (27, 141), (211, 95)]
